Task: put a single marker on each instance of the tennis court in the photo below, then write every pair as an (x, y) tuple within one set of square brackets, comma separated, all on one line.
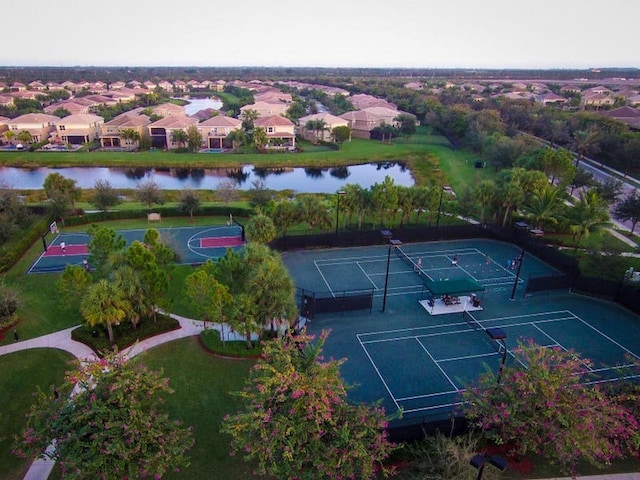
[(193, 245), (419, 363)]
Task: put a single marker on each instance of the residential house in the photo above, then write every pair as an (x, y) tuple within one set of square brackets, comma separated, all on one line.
[(26, 94), (166, 86), (111, 131), (280, 132), (218, 85), (18, 87), (273, 95), (70, 106), (180, 86), (6, 100), (52, 86), (550, 99), (39, 125), (117, 85), (168, 110), (216, 129), (362, 122), (414, 85), (78, 129), (597, 99), (161, 131), (264, 109), (149, 85), (361, 101), (330, 122), (36, 85), (634, 100), (628, 115)]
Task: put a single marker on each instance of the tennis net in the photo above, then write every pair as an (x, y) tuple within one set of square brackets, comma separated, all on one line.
[(493, 336), (413, 265)]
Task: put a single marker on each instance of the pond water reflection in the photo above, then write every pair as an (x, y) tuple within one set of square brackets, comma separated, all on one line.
[(306, 180)]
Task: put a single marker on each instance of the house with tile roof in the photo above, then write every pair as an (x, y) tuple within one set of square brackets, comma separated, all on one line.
[(363, 121), (39, 125), (361, 101), (273, 95), (6, 100), (78, 129), (111, 131), (550, 99), (216, 129), (161, 130), (166, 86), (597, 99), (628, 115), (70, 106), (168, 110), (264, 109), (280, 132), (324, 135), (4, 126), (37, 85)]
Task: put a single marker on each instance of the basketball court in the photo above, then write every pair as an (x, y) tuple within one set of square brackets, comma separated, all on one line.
[(192, 245)]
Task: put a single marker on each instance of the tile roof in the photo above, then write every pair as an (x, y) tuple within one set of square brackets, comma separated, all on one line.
[(272, 121)]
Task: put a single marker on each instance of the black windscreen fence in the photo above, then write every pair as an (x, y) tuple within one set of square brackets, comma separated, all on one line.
[(312, 303)]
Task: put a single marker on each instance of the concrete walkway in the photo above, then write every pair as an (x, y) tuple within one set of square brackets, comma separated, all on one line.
[(41, 468)]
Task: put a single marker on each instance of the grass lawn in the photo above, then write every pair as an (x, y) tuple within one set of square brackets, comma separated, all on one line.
[(21, 374), (202, 383)]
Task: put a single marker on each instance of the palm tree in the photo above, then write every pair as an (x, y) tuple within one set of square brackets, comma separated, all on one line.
[(585, 142), (105, 304), (179, 137), (589, 214), (543, 207), (130, 134), (484, 194), (237, 138)]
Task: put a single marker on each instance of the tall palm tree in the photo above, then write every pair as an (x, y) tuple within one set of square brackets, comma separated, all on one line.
[(484, 194), (589, 214), (586, 142), (543, 208), (104, 304), (179, 136)]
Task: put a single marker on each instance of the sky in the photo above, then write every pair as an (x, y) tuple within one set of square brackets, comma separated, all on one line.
[(325, 33)]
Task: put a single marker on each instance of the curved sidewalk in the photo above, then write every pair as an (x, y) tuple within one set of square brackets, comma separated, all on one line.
[(41, 468)]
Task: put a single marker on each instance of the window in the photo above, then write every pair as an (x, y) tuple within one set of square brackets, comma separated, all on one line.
[(61, 127)]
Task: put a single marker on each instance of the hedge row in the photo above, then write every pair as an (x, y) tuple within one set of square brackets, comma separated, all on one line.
[(174, 211), (33, 234)]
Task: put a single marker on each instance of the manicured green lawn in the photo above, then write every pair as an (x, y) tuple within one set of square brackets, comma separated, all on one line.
[(202, 383), (21, 374)]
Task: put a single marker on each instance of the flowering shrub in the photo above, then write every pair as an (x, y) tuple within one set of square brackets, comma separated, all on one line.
[(111, 427), (296, 421), (549, 409)]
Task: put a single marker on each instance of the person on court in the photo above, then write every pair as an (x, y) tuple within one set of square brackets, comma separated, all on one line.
[(454, 262), (63, 247), (419, 263)]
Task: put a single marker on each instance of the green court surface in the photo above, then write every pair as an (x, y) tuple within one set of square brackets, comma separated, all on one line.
[(419, 362), (192, 245)]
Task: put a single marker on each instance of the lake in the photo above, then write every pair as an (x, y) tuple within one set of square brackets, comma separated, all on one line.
[(303, 180), (197, 104)]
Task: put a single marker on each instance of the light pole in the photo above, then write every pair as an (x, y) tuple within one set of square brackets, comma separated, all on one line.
[(392, 243), (443, 189), (515, 283), (439, 207), (340, 194), (479, 461)]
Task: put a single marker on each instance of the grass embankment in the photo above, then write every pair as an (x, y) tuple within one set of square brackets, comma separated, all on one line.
[(22, 374)]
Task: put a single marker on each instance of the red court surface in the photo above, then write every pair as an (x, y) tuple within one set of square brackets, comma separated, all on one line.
[(56, 251), (209, 242)]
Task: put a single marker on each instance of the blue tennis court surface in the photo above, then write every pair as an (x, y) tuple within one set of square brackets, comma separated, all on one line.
[(418, 363), (192, 245)]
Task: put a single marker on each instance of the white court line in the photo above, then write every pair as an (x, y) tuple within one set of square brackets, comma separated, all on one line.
[(324, 279), (367, 275), (428, 395), (608, 337), (437, 364), (379, 374), (433, 407)]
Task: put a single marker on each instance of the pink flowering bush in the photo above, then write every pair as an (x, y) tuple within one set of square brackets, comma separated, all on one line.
[(297, 423), (112, 427), (550, 409)]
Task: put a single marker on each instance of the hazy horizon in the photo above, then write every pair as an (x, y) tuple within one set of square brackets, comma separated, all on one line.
[(458, 34)]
